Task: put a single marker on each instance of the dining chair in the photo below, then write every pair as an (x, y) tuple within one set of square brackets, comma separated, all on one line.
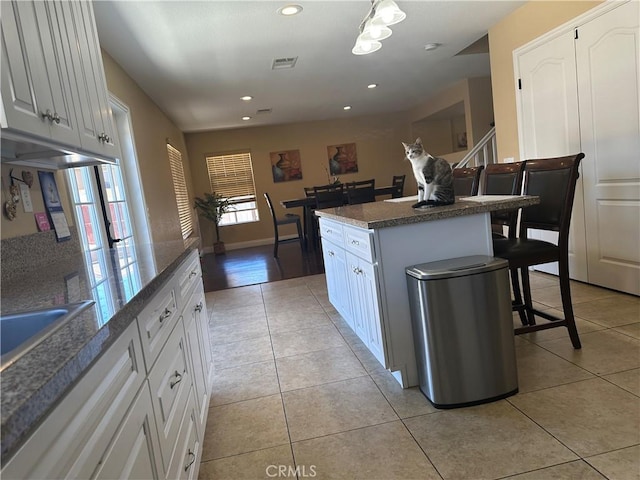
[(398, 186), (289, 219), (553, 180), (466, 181), (329, 195), (363, 191)]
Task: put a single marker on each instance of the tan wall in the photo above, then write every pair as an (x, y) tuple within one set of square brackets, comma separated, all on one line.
[(24, 223), (481, 106), (378, 143), (529, 22), (151, 129)]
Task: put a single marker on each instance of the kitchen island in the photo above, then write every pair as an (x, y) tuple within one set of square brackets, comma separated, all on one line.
[(367, 247), (110, 374)]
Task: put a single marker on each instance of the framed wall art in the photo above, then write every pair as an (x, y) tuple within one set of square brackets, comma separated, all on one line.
[(286, 166), (342, 158)]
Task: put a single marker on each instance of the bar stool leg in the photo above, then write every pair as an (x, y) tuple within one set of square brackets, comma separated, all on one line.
[(567, 307)]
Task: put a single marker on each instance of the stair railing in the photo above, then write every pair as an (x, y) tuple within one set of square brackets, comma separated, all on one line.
[(483, 153)]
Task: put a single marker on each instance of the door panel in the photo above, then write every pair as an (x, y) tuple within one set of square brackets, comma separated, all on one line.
[(550, 127), (608, 72)]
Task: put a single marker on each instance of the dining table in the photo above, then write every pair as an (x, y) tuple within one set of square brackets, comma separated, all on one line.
[(308, 205)]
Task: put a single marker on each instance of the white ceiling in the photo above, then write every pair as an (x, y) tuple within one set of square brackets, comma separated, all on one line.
[(195, 59)]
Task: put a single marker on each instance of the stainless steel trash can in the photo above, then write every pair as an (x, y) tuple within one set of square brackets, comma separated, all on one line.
[(463, 330)]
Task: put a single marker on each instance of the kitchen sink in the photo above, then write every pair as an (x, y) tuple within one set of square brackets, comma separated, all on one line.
[(20, 332)]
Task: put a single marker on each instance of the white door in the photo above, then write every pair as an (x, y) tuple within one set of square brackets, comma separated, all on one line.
[(608, 72), (549, 127)]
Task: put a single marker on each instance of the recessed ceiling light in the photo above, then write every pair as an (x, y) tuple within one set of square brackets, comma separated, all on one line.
[(347, 107), (289, 10), (373, 85), (246, 118), (246, 98), (431, 46)]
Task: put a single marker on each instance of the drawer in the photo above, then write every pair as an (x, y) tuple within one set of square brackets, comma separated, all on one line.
[(359, 242), (332, 231), (156, 321), (188, 276), (170, 384)]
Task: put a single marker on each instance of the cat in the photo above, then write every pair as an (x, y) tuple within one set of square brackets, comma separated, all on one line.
[(433, 175)]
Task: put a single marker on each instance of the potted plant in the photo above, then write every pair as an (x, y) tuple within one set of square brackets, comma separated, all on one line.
[(212, 207)]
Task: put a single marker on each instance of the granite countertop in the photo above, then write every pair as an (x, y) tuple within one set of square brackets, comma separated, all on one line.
[(33, 384), (396, 212)]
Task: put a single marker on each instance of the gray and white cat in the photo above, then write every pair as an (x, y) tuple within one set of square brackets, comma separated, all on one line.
[(434, 176)]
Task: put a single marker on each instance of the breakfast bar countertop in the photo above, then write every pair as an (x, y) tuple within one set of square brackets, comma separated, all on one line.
[(396, 212), (34, 383)]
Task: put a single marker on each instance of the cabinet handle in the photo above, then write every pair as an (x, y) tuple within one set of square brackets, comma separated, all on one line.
[(193, 459), (193, 273), (179, 379), (103, 137), (331, 253), (328, 230), (52, 117), (357, 270), (166, 314), (355, 242), (198, 307)]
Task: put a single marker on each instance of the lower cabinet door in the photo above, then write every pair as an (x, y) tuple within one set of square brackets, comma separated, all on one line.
[(192, 319), (337, 282), (133, 453), (365, 305), (170, 384), (188, 452)]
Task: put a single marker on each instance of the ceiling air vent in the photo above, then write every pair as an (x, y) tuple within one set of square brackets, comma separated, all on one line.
[(263, 111), (285, 62)]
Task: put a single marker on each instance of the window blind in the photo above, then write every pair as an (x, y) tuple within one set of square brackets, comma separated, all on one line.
[(180, 189), (232, 175)]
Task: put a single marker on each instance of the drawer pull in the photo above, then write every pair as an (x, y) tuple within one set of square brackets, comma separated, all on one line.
[(355, 242), (331, 253), (179, 379), (192, 456), (198, 307), (166, 314), (192, 274), (328, 230)]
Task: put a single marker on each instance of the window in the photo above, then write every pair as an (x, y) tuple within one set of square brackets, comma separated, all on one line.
[(180, 189), (232, 177), (109, 209)]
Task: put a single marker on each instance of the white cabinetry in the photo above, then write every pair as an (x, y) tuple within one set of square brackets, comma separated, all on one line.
[(120, 422), (93, 113), (131, 453), (352, 284), (200, 348), (335, 266), (36, 91), (73, 439), (365, 305), (170, 383), (54, 95)]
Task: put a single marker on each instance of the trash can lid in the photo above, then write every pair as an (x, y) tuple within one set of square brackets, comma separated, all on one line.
[(456, 267)]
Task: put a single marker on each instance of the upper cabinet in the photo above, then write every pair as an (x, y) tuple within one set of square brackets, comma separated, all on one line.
[(54, 95)]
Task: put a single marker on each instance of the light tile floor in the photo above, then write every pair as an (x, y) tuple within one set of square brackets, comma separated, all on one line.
[(297, 395)]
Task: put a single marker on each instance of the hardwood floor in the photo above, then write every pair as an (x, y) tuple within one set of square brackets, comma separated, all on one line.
[(249, 266)]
